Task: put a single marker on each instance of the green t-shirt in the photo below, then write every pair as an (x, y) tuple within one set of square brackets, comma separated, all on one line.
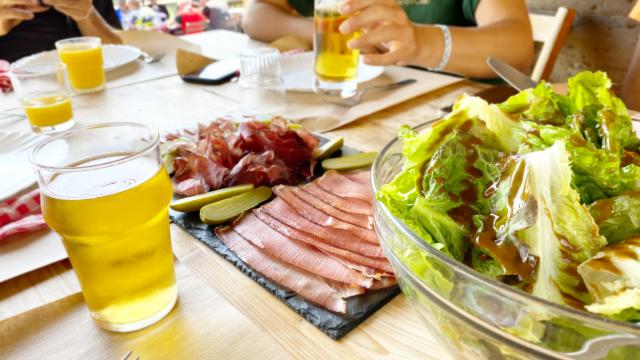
[(446, 12)]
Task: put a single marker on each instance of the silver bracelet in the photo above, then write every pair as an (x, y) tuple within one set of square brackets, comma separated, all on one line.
[(447, 48)]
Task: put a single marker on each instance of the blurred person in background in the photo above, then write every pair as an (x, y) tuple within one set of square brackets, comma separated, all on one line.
[(631, 84), (217, 12), (141, 17), (29, 26), (454, 36), (159, 9), (121, 12)]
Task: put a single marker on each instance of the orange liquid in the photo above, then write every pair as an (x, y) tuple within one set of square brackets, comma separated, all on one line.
[(84, 65), (49, 110)]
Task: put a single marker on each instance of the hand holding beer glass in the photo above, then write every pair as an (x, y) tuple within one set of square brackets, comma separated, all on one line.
[(336, 65)]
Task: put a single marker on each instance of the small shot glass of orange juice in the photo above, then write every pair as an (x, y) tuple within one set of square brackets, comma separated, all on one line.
[(43, 91), (83, 57)]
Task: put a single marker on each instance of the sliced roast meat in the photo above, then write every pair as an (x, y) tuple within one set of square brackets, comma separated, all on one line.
[(363, 221), (369, 267), (314, 215), (285, 213), (350, 205), (326, 293), (295, 253), (340, 185)]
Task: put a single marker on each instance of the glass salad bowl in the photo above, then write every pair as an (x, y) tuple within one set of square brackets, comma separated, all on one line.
[(479, 318)]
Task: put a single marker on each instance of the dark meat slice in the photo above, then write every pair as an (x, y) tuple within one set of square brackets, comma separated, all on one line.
[(329, 294), (297, 254), (363, 221), (369, 267), (288, 145), (314, 215), (283, 212), (261, 169), (345, 204), (342, 186)]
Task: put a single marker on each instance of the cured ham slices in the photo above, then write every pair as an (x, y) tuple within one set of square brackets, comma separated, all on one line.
[(225, 153), (316, 239)]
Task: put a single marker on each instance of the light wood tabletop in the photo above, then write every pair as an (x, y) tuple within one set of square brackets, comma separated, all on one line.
[(222, 313)]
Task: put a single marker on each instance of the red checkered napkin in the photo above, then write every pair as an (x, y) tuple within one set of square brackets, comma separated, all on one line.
[(5, 82), (21, 214)]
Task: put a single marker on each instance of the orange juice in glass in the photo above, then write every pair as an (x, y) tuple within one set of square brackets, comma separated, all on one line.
[(106, 193), (43, 91), (83, 57)]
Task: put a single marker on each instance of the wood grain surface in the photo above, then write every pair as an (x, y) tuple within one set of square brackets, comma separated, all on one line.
[(222, 313)]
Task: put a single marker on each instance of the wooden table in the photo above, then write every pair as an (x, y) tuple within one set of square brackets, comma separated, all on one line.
[(249, 319)]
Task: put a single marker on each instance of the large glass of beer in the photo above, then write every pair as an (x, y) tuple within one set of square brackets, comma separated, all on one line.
[(336, 65), (106, 193)]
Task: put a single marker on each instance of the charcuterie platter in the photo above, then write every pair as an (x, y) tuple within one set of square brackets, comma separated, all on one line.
[(290, 210)]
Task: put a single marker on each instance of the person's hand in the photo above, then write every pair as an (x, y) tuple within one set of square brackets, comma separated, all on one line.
[(13, 12), (75, 9), (384, 26)]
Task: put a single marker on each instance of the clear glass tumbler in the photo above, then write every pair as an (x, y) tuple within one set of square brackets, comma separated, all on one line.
[(43, 91), (106, 193), (336, 65), (83, 57), (261, 82)]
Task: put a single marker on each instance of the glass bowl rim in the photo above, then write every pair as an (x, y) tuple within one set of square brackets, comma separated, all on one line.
[(587, 317), (64, 169)]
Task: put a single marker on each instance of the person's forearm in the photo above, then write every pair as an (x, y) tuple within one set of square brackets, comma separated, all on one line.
[(472, 46), (631, 85), (95, 25), (266, 22)]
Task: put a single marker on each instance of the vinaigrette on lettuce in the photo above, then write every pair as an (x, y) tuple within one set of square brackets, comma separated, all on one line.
[(613, 278), (538, 213), (618, 217)]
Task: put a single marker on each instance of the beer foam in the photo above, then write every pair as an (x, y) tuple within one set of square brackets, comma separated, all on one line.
[(101, 182)]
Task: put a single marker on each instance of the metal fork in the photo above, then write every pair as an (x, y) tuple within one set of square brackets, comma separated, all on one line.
[(150, 59), (128, 355), (355, 100)]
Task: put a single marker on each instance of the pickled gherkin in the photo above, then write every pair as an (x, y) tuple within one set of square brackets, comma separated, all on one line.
[(194, 203), (227, 209), (350, 162)]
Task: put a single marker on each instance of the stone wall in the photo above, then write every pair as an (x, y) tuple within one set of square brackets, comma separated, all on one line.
[(602, 38)]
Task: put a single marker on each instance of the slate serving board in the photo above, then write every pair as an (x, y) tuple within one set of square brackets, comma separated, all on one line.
[(359, 308)]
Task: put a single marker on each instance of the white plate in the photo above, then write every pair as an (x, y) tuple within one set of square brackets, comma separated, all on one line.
[(298, 75), (16, 173), (115, 56)]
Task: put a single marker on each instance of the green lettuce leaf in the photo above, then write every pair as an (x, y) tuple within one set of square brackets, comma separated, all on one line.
[(613, 278), (538, 212), (606, 122), (540, 104), (618, 217)]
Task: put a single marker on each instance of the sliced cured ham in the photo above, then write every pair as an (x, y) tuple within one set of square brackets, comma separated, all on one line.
[(320, 218), (369, 267), (326, 293), (342, 186), (297, 254), (345, 204), (383, 283), (362, 177), (363, 221), (283, 212)]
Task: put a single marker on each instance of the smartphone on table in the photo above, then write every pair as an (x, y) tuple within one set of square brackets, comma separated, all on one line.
[(215, 73)]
